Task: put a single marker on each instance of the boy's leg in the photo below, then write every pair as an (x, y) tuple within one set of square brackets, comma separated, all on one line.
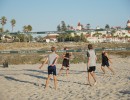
[(103, 69), (61, 70), (55, 81), (47, 81), (93, 75), (111, 70), (89, 78), (67, 71)]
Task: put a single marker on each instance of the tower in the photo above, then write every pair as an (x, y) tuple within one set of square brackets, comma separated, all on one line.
[(128, 23), (128, 26), (79, 26)]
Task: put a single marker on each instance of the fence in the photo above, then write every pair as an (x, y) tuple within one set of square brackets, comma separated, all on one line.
[(46, 51)]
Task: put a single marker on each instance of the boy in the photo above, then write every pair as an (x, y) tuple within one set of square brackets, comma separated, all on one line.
[(91, 63), (105, 61), (65, 63), (52, 60)]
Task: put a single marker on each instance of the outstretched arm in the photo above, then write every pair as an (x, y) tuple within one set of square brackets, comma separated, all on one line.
[(43, 63)]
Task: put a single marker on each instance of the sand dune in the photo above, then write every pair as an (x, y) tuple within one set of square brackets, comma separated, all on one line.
[(27, 82)]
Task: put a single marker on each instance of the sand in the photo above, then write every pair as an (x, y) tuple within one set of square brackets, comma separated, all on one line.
[(27, 82)]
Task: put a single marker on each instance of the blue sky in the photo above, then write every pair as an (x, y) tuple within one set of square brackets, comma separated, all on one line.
[(45, 15)]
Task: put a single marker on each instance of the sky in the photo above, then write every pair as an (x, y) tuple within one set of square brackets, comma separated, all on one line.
[(46, 15)]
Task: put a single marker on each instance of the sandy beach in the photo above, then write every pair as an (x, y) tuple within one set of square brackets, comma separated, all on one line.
[(27, 82)]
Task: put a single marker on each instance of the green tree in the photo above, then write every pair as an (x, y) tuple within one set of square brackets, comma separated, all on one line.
[(1, 30), (107, 26), (82, 38), (13, 22), (126, 37), (6, 31), (77, 38), (63, 26), (88, 26), (25, 29), (29, 28), (68, 27), (58, 28), (3, 22), (61, 37), (21, 37)]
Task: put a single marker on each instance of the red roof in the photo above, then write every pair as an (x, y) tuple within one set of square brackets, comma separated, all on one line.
[(50, 36), (79, 24), (128, 21)]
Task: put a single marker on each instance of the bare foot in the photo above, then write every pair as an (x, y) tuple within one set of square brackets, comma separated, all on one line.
[(95, 83)]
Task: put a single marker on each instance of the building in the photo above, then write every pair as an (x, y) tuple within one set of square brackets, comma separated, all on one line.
[(50, 38), (79, 26), (128, 25)]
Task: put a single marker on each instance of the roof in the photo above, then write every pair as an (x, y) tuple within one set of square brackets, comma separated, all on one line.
[(50, 36), (128, 21)]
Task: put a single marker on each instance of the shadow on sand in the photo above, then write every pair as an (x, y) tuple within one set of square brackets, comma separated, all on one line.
[(125, 92), (39, 71), (17, 80)]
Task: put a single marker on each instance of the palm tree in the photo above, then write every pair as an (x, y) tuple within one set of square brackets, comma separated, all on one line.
[(13, 22), (3, 22), (29, 28), (25, 28), (1, 30)]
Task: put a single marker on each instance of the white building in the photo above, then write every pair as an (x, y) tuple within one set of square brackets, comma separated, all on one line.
[(51, 38)]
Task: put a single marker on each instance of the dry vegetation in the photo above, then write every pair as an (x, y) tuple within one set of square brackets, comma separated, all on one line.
[(33, 58)]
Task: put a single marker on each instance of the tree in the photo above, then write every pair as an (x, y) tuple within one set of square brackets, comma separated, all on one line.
[(25, 28), (13, 22), (88, 26), (58, 28), (82, 38), (6, 31), (21, 37), (68, 27), (77, 38), (107, 26), (3, 22), (61, 37), (1, 30), (29, 28), (63, 26), (126, 37)]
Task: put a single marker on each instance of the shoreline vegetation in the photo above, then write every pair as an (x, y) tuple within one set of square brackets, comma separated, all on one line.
[(78, 57)]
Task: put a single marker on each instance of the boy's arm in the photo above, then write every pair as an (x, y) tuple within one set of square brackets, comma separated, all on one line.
[(108, 58), (64, 56), (88, 62), (43, 63), (55, 61)]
